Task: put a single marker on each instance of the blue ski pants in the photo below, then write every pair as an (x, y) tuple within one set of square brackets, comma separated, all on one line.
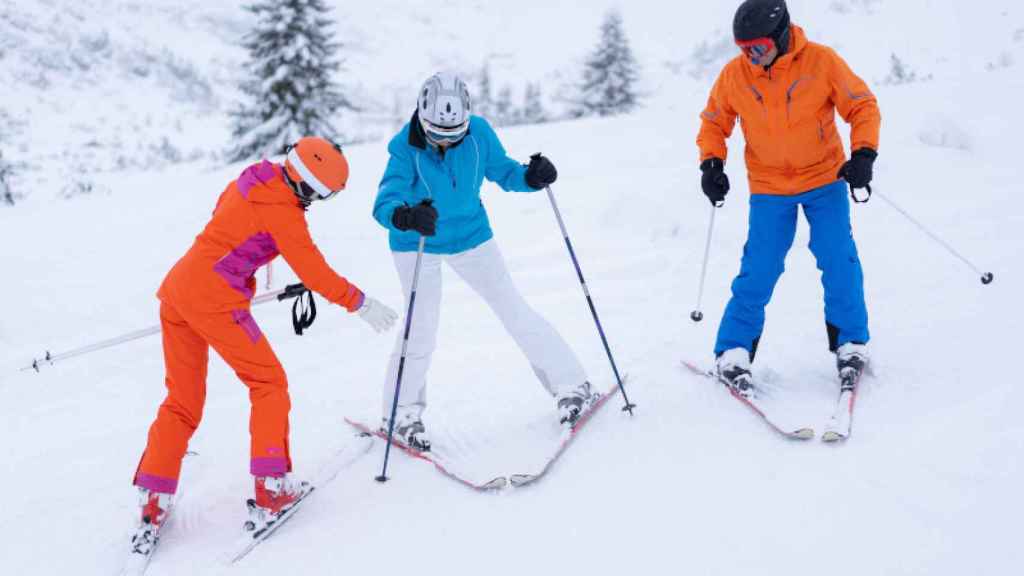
[(772, 228)]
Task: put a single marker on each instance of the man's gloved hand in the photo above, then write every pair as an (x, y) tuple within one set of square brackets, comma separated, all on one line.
[(714, 181), (377, 315), (859, 170), (541, 172), (421, 218)]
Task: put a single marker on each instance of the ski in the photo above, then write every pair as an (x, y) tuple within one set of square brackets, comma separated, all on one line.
[(520, 480), (143, 545), (144, 538), (839, 425), (441, 466), (261, 526), (798, 433)]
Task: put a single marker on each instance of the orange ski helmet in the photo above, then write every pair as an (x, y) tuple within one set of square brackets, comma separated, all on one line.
[(317, 167)]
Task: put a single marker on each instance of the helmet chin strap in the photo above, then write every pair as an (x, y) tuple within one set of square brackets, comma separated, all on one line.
[(297, 190)]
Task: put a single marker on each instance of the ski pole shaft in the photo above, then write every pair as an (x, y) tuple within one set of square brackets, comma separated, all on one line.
[(697, 315), (291, 291), (628, 407), (986, 277), (401, 361)]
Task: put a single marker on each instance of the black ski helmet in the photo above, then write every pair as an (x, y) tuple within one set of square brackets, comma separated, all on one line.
[(763, 18)]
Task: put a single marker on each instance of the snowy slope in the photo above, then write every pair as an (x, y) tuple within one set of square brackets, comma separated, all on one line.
[(692, 484)]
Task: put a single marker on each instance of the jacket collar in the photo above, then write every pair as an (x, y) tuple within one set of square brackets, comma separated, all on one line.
[(797, 43), (417, 139)]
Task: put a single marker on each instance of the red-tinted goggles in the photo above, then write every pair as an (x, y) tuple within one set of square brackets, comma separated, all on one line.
[(757, 47)]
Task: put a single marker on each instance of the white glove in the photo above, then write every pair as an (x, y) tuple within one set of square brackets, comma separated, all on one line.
[(377, 315)]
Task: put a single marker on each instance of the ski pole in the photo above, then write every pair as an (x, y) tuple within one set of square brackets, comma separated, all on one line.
[(986, 277), (401, 362), (590, 301), (697, 315), (291, 291)]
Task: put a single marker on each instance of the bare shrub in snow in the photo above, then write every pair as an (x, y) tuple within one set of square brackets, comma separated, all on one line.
[(900, 73), (849, 6), (1005, 60), (610, 74), (943, 132), (290, 92)]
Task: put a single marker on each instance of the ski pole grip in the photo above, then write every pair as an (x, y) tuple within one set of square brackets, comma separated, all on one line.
[(292, 291)]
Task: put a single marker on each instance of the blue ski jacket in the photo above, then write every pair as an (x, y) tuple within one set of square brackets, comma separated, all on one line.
[(417, 170)]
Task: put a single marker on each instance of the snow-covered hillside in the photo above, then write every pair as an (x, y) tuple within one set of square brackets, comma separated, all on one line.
[(928, 484)]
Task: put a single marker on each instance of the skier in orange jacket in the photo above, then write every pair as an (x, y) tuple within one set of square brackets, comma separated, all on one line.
[(204, 302), (786, 91)]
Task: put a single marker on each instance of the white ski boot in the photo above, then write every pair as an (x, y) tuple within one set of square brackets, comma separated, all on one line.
[(154, 507), (733, 368), (275, 495), (573, 403), (851, 360), (409, 430)]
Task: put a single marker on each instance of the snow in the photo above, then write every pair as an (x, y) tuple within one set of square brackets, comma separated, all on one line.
[(693, 483)]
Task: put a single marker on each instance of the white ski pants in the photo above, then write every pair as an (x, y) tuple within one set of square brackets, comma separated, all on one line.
[(483, 268)]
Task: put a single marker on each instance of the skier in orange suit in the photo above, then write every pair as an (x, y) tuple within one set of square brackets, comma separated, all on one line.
[(205, 301)]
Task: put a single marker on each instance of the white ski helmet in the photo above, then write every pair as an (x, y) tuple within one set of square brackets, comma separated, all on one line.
[(444, 108)]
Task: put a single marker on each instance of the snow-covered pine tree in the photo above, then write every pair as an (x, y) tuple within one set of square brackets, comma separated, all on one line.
[(610, 73), (533, 111), (505, 113), (6, 194), (6, 169), (483, 104), (291, 91)]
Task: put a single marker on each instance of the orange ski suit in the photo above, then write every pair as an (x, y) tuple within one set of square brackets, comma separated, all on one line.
[(205, 301), (788, 117)]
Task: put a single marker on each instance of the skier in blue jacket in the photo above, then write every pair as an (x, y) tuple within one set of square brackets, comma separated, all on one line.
[(431, 187)]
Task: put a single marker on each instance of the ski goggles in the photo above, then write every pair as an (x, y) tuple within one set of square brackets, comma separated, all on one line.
[(756, 49), (445, 135)]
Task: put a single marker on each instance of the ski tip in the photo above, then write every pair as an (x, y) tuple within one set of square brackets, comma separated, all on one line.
[(518, 480), (832, 437), (802, 434), (497, 484)]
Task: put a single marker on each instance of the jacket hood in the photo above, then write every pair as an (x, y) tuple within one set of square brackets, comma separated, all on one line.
[(264, 183)]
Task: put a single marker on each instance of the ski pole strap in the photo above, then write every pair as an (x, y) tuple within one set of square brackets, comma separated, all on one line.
[(303, 311), (292, 291), (853, 194)]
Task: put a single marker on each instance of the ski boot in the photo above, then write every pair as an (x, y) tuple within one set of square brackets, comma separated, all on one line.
[(154, 507), (409, 431), (733, 368), (275, 495), (572, 404), (851, 360)]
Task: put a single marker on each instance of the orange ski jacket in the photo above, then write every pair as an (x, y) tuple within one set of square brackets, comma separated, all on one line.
[(788, 117), (257, 217)]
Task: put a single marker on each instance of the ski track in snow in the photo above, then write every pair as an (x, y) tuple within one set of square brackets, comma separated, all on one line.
[(694, 483)]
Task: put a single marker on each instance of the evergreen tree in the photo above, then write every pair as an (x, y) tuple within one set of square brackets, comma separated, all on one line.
[(504, 112), (483, 105), (6, 194), (609, 74), (533, 111), (290, 91)]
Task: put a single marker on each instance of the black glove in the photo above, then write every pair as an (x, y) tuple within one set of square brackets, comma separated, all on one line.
[(541, 172), (421, 218), (714, 181), (859, 169)]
